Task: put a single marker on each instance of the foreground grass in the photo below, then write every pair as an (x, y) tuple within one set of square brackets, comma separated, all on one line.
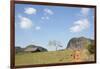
[(45, 57)]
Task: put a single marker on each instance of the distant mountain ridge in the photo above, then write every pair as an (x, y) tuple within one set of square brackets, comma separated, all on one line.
[(30, 48), (19, 49), (76, 43)]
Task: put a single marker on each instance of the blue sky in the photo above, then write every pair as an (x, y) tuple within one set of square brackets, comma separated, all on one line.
[(39, 24)]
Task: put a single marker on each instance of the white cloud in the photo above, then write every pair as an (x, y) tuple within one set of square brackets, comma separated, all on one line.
[(25, 23), (80, 25), (48, 11), (85, 11), (30, 10), (37, 27)]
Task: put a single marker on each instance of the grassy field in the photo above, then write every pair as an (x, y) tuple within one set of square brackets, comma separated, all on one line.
[(44, 57)]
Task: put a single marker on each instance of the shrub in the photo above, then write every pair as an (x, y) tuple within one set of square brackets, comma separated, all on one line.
[(91, 48)]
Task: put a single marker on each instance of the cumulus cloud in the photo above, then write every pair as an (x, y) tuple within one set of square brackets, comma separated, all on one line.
[(25, 23), (47, 14), (80, 25), (30, 10), (85, 11), (48, 11)]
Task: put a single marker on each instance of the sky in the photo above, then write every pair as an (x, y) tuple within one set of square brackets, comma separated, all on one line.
[(40, 24)]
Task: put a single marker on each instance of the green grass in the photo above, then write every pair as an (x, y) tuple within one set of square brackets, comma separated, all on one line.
[(50, 57), (43, 58)]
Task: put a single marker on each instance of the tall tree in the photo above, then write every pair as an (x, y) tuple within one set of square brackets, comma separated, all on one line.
[(55, 43)]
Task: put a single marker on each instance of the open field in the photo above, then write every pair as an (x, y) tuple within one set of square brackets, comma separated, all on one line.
[(46, 57)]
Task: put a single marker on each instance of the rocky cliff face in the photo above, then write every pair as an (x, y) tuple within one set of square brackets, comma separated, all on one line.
[(79, 43), (33, 48)]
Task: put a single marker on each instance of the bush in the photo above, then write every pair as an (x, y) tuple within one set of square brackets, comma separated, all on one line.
[(91, 48)]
